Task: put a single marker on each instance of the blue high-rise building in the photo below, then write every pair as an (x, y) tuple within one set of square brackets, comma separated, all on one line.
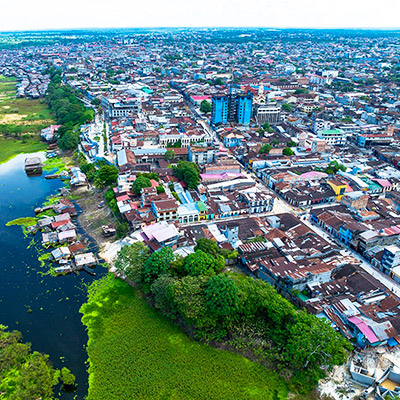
[(244, 104), (219, 110), (232, 108)]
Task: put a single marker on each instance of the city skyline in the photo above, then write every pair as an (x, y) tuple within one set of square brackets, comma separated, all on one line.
[(42, 15)]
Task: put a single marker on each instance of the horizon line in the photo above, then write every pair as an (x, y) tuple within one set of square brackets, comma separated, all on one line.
[(272, 28)]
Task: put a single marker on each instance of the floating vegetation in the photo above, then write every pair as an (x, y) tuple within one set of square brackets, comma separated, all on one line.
[(55, 165), (43, 258), (27, 221), (50, 200), (47, 213)]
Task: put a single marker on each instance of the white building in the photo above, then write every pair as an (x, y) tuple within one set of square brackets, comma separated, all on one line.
[(333, 137)]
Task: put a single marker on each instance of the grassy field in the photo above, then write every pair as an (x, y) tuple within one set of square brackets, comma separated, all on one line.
[(9, 148), (20, 116), (135, 353)]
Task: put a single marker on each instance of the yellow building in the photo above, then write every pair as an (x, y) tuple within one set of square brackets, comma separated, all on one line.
[(338, 187)]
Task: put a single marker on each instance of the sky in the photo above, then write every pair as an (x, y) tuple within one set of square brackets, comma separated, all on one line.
[(60, 14)]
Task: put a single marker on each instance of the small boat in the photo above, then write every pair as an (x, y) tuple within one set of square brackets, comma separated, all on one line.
[(75, 272), (89, 271), (63, 270)]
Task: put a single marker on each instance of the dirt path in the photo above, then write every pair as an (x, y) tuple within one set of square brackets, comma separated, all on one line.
[(92, 217)]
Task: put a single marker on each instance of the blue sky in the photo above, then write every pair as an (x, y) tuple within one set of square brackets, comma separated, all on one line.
[(50, 14)]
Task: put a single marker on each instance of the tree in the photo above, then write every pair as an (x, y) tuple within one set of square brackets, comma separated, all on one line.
[(208, 246), (169, 155), (301, 91), (275, 142), (156, 265), (24, 375), (68, 141), (291, 143), (67, 377), (162, 292), (267, 127), (334, 167), (189, 173), (199, 263), (287, 107), (221, 294), (205, 107), (160, 189), (107, 175), (131, 259), (218, 82), (140, 183), (188, 298), (122, 230), (96, 102), (313, 345), (288, 151), (265, 149)]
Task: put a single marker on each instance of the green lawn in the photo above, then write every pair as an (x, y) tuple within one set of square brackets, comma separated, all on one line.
[(9, 148), (135, 353)]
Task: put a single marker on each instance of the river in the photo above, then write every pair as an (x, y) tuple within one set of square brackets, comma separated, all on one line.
[(54, 326)]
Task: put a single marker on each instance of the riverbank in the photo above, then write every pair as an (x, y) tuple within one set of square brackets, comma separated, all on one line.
[(134, 352)]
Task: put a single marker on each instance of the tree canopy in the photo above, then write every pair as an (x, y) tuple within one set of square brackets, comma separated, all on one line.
[(205, 107), (140, 183), (157, 264), (107, 175), (265, 148), (189, 173), (26, 375), (131, 259)]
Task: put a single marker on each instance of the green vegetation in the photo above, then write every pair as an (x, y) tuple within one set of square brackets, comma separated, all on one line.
[(333, 168), (140, 183), (246, 314), (9, 148), (20, 117), (100, 172), (134, 352), (288, 151), (176, 145), (189, 173), (343, 86), (26, 375), (160, 189), (257, 239), (25, 222), (112, 203), (106, 175), (265, 148), (205, 107), (57, 164), (122, 230), (67, 377), (67, 109), (169, 155)]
